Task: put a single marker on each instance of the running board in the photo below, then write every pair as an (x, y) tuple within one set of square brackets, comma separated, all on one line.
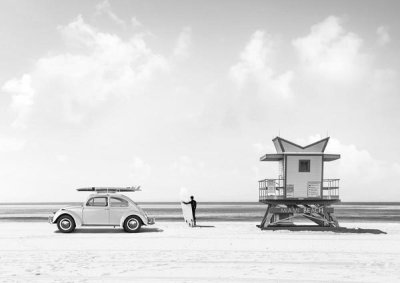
[(100, 225)]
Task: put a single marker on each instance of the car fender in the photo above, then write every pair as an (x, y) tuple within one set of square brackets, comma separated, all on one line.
[(76, 216), (135, 213)]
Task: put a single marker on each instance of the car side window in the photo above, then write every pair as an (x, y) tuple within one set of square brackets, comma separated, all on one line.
[(117, 202), (97, 201)]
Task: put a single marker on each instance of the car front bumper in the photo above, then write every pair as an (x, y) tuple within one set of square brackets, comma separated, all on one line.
[(151, 220), (50, 219)]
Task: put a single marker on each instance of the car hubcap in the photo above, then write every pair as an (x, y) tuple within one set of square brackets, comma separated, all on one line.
[(65, 224), (133, 224)]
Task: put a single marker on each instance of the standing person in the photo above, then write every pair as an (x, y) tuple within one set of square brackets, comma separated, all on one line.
[(193, 203)]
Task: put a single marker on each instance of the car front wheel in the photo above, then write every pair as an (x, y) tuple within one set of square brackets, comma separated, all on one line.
[(66, 224), (132, 224)]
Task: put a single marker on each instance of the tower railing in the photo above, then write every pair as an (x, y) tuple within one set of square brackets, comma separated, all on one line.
[(330, 189), (270, 189)]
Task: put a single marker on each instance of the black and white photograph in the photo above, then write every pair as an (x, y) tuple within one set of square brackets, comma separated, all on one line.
[(199, 141)]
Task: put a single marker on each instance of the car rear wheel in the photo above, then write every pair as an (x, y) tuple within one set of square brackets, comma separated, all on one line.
[(132, 224), (66, 224)]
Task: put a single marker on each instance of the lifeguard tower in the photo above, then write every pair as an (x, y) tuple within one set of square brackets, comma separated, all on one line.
[(300, 191)]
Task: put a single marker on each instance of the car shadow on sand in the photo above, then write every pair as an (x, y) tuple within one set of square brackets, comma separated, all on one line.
[(111, 230)]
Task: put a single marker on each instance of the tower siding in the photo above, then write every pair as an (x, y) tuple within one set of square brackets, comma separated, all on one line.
[(301, 180)]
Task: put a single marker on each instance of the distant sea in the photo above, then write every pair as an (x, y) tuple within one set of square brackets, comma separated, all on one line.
[(211, 211)]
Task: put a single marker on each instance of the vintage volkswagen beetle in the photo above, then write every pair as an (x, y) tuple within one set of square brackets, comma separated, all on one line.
[(105, 208)]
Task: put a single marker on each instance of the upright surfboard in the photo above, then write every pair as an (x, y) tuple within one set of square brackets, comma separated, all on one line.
[(186, 208)]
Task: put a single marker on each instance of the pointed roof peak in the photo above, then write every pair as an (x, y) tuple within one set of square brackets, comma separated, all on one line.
[(283, 145)]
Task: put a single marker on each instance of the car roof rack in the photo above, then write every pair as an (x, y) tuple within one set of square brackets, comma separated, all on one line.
[(109, 189)]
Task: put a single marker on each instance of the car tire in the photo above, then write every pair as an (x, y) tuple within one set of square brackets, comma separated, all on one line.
[(66, 224), (132, 224)]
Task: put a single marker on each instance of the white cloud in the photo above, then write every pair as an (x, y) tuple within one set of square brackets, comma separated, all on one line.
[(185, 166), (385, 81), (362, 176), (140, 170), (8, 144), (99, 66), (261, 148), (183, 43), (104, 8), (62, 158), (254, 67), (331, 52), (22, 95), (383, 35), (136, 23)]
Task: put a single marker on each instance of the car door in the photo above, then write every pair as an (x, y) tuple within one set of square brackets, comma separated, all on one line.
[(95, 211), (118, 206)]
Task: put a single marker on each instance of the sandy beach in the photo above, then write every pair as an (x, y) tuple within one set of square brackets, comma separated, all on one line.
[(220, 252)]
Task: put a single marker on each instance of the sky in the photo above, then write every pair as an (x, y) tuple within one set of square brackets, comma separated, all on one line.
[(189, 94)]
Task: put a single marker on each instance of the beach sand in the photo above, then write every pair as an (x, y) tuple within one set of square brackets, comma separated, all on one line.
[(172, 252)]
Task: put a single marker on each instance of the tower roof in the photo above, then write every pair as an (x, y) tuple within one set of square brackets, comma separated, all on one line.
[(282, 146)]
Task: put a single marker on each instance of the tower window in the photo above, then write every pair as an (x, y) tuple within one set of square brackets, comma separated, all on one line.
[(304, 165)]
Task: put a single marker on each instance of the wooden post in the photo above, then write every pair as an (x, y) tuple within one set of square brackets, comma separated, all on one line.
[(267, 217)]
